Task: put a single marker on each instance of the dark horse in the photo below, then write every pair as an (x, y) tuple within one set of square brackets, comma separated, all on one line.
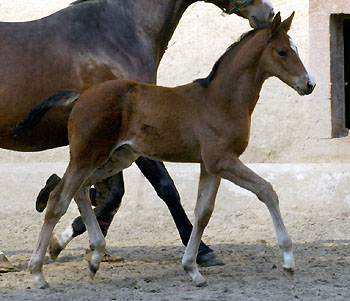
[(88, 43), (207, 122)]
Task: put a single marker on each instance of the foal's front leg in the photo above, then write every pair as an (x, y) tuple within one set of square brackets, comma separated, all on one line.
[(207, 190), (234, 170), (158, 176)]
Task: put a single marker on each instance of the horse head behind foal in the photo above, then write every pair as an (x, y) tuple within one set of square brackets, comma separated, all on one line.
[(206, 122), (258, 12)]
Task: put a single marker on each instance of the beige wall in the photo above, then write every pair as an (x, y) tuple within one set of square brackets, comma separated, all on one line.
[(320, 61), (285, 127)]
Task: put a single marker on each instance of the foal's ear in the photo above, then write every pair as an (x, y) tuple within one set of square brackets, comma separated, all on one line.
[(275, 25), (286, 24)]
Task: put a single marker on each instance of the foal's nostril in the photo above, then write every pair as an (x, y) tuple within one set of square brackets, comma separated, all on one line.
[(310, 87)]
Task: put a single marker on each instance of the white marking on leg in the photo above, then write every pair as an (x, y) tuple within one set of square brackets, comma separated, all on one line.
[(289, 262), (57, 206), (241, 175), (283, 238), (66, 236), (207, 190), (97, 240)]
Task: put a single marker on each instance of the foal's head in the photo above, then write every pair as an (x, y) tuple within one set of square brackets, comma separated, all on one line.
[(280, 57), (258, 12)]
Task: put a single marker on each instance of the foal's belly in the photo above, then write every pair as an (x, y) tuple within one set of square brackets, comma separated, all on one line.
[(170, 149)]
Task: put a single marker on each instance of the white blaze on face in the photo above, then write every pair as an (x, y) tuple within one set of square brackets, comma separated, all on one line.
[(307, 76), (292, 45)]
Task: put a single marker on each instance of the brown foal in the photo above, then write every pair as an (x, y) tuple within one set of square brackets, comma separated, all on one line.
[(206, 122), (88, 43)]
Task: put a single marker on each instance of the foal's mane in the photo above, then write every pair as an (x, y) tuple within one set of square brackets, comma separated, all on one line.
[(204, 82)]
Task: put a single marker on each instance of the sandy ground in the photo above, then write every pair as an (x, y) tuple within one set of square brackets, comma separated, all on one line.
[(315, 204), (315, 207)]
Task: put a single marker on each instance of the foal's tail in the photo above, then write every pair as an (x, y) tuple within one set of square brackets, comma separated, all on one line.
[(61, 98)]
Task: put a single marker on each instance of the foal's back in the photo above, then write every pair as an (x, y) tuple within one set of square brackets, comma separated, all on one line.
[(158, 122)]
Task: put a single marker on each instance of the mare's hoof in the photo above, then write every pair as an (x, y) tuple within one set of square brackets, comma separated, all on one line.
[(54, 247), (289, 272), (92, 270), (5, 264), (208, 260), (43, 196)]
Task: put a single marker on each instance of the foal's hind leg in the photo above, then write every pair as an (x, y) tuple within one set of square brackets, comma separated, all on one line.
[(58, 203), (105, 211), (97, 241), (234, 170), (157, 175), (207, 190)]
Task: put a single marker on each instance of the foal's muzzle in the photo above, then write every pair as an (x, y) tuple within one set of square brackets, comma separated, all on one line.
[(310, 86), (305, 85)]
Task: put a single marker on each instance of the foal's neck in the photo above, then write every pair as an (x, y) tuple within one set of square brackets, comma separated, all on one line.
[(240, 77)]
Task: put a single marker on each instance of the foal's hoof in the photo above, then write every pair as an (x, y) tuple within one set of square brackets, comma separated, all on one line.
[(208, 259), (92, 270), (44, 285), (43, 196), (54, 247), (289, 272), (202, 284), (5, 265)]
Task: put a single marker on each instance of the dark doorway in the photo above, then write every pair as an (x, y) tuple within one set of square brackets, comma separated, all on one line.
[(340, 74), (346, 34)]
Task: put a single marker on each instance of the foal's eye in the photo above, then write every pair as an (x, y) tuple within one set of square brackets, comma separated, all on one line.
[(282, 53)]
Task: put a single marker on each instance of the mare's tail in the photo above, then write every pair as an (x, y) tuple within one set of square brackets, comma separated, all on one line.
[(61, 98)]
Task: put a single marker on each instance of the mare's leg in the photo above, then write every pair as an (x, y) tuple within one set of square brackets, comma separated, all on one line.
[(235, 171), (207, 190), (107, 197), (43, 196), (59, 201), (157, 175)]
